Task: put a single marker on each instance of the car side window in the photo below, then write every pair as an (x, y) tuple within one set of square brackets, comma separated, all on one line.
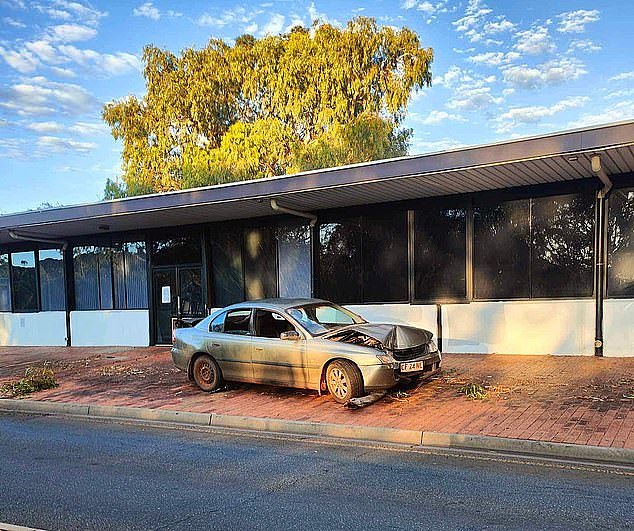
[(217, 323), (237, 322), (271, 324)]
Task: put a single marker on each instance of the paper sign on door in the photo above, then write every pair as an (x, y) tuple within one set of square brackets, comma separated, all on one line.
[(166, 295)]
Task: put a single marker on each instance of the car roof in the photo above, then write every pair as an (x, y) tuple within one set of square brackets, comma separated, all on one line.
[(275, 303)]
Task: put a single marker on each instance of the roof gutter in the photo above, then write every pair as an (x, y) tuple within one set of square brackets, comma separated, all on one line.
[(41, 239), (279, 208)]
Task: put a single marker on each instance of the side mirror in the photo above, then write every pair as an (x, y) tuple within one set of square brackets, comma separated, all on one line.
[(291, 335)]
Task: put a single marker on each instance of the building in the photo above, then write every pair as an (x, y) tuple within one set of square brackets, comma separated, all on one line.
[(525, 246)]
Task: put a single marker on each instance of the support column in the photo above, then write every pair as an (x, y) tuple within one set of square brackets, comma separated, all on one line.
[(600, 271)]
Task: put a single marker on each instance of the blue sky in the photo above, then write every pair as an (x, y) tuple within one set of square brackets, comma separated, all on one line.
[(502, 69)]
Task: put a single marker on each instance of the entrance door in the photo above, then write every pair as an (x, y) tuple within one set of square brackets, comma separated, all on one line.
[(177, 294)]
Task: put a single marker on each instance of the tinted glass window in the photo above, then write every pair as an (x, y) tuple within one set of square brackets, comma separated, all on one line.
[(293, 248), (621, 243), (340, 261), (86, 271), (385, 257), (563, 246), (260, 263), (135, 274), (271, 324), (104, 258), (5, 289), (226, 258), (501, 250), (237, 322), (52, 286), (217, 323), (440, 253), (24, 281), (179, 250)]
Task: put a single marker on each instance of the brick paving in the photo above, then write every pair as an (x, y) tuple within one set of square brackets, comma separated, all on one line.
[(581, 400)]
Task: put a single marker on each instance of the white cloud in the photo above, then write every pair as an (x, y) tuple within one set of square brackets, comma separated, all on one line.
[(72, 10), (251, 28), (536, 113), (575, 21), (275, 25), (535, 41), (435, 117), (494, 58), (71, 33), (13, 22), (477, 24), (428, 146), (45, 127), (230, 16), (44, 50), (583, 45), (23, 60), (499, 26), (38, 96), (147, 10), (471, 99), (430, 10), (619, 94), (57, 144), (108, 63), (88, 128), (63, 72), (550, 73), (623, 76), (622, 110)]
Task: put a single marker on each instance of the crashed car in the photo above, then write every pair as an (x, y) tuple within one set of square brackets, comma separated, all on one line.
[(304, 343)]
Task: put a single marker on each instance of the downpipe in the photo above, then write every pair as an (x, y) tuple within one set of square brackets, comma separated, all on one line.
[(601, 244), (279, 208)]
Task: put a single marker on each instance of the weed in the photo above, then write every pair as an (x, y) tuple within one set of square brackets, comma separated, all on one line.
[(474, 391), (35, 379)]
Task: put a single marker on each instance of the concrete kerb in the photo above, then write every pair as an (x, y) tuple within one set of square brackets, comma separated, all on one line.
[(415, 438)]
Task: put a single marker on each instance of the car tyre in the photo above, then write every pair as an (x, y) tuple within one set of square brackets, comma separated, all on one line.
[(206, 373), (344, 380)]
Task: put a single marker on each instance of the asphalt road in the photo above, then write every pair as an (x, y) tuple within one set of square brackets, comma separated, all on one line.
[(63, 474)]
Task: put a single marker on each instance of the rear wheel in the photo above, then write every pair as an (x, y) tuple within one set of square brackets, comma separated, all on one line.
[(344, 380), (206, 373)]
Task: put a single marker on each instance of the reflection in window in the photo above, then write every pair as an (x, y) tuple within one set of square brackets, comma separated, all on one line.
[(52, 286), (501, 251), (563, 246), (340, 262), (260, 265), (86, 272), (24, 282), (226, 259), (385, 257), (293, 247), (174, 251), (621, 243), (130, 275), (5, 288), (440, 253)]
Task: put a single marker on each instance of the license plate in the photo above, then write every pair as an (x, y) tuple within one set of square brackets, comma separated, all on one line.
[(412, 366)]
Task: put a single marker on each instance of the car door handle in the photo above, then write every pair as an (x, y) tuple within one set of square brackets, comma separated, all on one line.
[(259, 348)]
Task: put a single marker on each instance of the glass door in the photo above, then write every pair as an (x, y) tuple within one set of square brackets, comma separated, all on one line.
[(177, 294)]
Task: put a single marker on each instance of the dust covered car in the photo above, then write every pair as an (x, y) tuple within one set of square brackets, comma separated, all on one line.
[(305, 343)]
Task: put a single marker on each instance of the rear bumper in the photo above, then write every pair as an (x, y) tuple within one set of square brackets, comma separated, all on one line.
[(380, 377), (181, 360)]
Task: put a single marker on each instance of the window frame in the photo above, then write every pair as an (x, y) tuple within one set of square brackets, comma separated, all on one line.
[(289, 321), (36, 263), (608, 251)]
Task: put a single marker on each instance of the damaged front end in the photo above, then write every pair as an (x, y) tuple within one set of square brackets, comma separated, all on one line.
[(410, 351)]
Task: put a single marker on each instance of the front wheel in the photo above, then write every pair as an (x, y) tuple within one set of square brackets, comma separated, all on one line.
[(206, 373), (344, 381)]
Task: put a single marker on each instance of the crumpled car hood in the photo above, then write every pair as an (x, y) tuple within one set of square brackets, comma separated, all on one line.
[(392, 336)]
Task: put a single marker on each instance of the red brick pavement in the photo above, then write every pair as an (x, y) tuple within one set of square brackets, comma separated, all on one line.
[(582, 400)]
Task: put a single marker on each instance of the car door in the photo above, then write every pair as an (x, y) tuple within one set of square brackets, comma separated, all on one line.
[(229, 342), (275, 360)]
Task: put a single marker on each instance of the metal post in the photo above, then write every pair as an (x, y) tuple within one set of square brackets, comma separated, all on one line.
[(600, 272)]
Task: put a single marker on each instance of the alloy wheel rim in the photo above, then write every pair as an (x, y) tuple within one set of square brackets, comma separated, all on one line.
[(338, 382)]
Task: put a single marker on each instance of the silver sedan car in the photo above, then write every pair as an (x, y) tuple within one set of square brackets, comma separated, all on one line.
[(305, 343)]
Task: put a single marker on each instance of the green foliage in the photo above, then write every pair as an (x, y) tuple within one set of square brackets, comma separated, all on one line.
[(308, 99), (474, 391), (35, 379), (114, 190)]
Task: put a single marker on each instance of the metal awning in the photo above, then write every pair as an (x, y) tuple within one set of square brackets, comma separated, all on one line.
[(550, 158)]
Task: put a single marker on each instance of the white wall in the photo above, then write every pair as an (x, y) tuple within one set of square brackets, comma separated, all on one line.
[(520, 327), (618, 327), (110, 328), (422, 316), (33, 329)]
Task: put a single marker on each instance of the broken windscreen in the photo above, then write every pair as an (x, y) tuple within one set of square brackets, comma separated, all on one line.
[(319, 318)]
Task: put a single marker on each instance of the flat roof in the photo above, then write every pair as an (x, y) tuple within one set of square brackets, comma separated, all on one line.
[(556, 157)]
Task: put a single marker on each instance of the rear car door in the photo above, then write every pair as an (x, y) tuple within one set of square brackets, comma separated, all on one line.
[(230, 344), (277, 361)]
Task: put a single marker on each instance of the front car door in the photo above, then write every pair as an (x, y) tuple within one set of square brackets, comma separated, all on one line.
[(277, 361)]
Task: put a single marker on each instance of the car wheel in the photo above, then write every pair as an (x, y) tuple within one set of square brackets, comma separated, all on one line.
[(344, 380), (206, 372)]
